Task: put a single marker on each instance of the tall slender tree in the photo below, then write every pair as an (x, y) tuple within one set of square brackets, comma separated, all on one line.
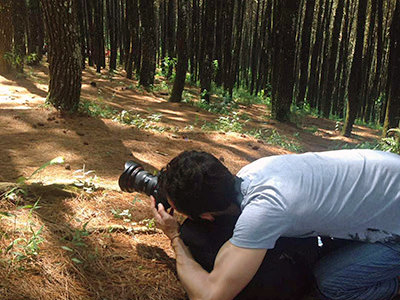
[(284, 52), (65, 62), (181, 47), (18, 12), (207, 46), (305, 49), (132, 13), (356, 71), (392, 116), (148, 65), (35, 28), (331, 63), (5, 35)]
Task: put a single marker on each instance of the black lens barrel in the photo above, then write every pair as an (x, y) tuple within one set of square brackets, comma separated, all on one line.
[(136, 179)]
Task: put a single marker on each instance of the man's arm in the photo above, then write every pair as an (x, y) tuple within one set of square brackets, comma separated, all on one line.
[(233, 269)]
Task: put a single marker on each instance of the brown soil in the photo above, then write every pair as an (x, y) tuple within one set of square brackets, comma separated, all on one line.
[(111, 257)]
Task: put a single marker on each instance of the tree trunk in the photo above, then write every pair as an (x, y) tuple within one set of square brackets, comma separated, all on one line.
[(377, 72), (182, 65), (284, 52), (5, 35), (18, 12), (356, 72), (171, 35), (392, 116), (207, 40), (305, 50), (219, 39), (368, 75), (194, 50), (112, 31), (255, 49), (132, 13), (316, 50), (82, 29), (331, 71), (148, 65), (231, 77), (65, 62), (99, 55), (35, 29)]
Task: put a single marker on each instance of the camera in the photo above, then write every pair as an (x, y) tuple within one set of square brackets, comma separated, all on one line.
[(136, 179)]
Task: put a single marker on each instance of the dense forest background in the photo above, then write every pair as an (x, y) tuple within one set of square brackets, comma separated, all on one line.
[(335, 58)]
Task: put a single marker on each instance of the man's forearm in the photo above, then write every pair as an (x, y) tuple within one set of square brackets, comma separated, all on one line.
[(192, 276)]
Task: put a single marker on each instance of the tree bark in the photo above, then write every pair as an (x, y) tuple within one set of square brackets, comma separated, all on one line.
[(392, 116), (148, 65), (284, 52), (65, 62), (231, 77), (35, 29), (182, 65), (171, 35), (99, 55), (331, 71), (207, 40), (18, 12), (305, 50), (112, 31), (315, 52), (5, 35), (132, 13), (356, 72)]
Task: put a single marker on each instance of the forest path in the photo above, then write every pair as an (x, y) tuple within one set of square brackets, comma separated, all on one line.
[(85, 253)]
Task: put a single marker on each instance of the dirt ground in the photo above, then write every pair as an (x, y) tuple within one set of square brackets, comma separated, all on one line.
[(102, 245)]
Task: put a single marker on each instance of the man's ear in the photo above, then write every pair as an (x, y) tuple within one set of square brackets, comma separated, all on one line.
[(207, 216)]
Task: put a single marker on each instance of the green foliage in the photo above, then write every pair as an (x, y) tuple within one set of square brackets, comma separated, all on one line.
[(162, 86), (243, 96), (13, 59), (86, 180), (140, 122), (274, 138), (167, 64), (32, 59), (124, 215), (96, 110), (225, 124), (26, 248), (391, 143), (372, 125), (13, 193), (364, 145), (233, 123), (79, 235), (303, 110)]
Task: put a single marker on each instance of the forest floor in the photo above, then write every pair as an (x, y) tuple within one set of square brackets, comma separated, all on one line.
[(64, 241)]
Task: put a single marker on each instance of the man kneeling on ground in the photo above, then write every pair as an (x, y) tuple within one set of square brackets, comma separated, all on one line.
[(345, 194)]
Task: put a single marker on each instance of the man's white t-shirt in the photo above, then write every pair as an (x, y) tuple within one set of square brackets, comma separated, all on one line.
[(348, 194)]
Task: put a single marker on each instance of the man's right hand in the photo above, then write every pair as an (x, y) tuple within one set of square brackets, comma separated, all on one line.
[(164, 220)]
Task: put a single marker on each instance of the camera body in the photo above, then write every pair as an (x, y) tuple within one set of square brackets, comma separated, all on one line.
[(136, 179)]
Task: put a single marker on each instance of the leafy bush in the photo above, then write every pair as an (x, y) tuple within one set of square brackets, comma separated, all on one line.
[(32, 59), (391, 143)]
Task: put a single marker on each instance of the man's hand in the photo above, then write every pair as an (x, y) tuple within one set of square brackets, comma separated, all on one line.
[(164, 220)]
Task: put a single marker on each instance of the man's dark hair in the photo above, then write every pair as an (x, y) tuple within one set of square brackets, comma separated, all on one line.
[(197, 182)]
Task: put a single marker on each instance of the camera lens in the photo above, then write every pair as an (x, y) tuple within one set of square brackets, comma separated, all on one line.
[(135, 178)]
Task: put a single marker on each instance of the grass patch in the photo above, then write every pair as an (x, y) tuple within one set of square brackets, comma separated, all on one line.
[(136, 120)]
